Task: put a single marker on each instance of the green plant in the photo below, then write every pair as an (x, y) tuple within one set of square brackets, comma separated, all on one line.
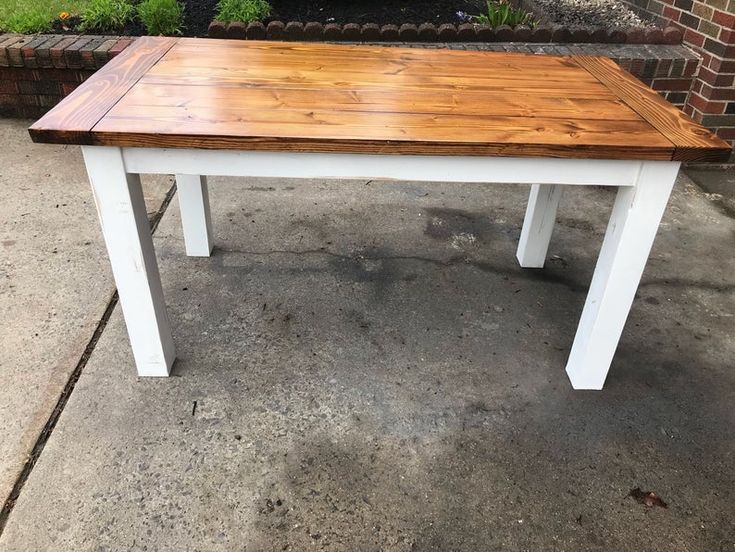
[(161, 17), (242, 10), (502, 13), (35, 16), (107, 15), (26, 21)]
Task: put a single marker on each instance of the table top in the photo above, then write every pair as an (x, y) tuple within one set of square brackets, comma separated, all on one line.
[(314, 97)]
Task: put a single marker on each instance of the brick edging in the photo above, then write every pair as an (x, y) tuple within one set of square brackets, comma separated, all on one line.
[(427, 32), (89, 52)]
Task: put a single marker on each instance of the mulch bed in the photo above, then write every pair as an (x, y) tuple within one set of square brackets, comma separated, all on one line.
[(198, 14), (350, 19)]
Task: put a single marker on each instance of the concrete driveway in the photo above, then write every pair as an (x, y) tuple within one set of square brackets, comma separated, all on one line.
[(363, 366)]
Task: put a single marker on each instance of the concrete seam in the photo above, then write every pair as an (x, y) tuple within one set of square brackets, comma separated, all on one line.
[(50, 424)]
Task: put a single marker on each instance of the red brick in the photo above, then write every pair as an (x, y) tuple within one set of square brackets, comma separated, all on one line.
[(47, 100), (72, 52), (18, 74), (39, 87), (28, 100), (691, 67), (721, 94), (9, 99), (698, 102), (8, 87), (57, 52), (727, 36), (671, 13), (43, 52), (101, 53), (693, 37), (68, 87), (725, 66), (119, 46), (4, 43), (697, 116), (726, 133), (25, 74), (677, 85), (636, 66), (15, 55), (725, 19), (87, 52), (664, 66), (715, 79), (706, 59), (28, 52)]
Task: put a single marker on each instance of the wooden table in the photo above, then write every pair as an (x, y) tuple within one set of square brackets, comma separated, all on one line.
[(196, 107)]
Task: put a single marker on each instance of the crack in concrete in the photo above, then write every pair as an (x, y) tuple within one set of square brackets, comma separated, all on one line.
[(48, 428)]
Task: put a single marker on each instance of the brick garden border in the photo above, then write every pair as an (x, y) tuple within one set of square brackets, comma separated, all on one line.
[(427, 32), (37, 71)]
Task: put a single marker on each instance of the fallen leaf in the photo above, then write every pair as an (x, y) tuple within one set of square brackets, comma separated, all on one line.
[(649, 498)]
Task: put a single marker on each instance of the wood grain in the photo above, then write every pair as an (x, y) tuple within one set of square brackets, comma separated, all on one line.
[(307, 97), (73, 119), (692, 142)]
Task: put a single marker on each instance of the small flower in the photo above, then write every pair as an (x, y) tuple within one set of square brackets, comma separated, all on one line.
[(464, 17), (64, 16)]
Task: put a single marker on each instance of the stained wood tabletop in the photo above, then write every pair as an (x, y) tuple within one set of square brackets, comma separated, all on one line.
[(311, 97)]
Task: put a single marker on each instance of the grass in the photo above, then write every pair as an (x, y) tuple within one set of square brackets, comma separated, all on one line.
[(161, 17), (34, 16), (502, 13), (242, 10), (106, 15)]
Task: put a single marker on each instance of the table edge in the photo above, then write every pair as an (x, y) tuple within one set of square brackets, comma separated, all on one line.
[(691, 141), (99, 93)]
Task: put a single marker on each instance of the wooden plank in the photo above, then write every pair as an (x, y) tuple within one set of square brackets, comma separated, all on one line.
[(379, 126), (351, 52), (356, 75), (465, 102), (389, 61), (134, 139), (692, 142), (72, 120), (406, 87), (380, 133)]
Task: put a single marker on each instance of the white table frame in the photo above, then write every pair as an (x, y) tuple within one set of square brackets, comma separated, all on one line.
[(643, 191)]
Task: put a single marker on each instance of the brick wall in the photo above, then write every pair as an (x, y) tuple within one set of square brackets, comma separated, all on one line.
[(36, 72), (709, 29)]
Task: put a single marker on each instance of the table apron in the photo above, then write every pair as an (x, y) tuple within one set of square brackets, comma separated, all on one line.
[(417, 168)]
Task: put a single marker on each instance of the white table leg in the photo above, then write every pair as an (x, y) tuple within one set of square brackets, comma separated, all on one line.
[(195, 217), (127, 233), (538, 225), (625, 249)]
